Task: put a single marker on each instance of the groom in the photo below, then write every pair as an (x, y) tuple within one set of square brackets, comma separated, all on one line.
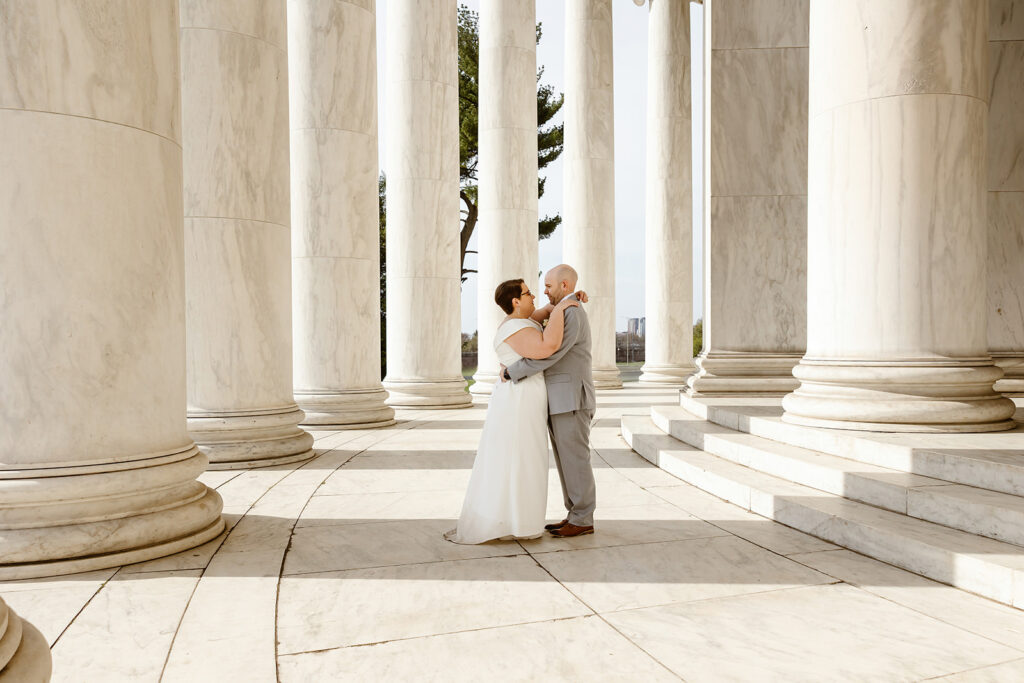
[(571, 404)]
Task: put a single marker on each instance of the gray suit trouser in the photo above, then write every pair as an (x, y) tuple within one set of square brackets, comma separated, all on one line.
[(570, 439)]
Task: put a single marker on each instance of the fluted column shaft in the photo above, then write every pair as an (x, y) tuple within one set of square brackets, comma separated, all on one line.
[(96, 467), (1006, 193), (332, 77), (588, 237), (507, 169), (897, 241), (669, 209), (237, 239), (423, 277), (755, 287), (24, 654)]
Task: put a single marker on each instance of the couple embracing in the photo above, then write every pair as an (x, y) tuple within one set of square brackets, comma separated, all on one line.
[(546, 386)]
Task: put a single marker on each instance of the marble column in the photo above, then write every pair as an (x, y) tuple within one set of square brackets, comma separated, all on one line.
[(96, 467), (588, 230), (755, 272), (897, 223), (241, 410), (1006, 193), (669, 208), (24, 654), (507, 244), (424, 280), (332, 76)]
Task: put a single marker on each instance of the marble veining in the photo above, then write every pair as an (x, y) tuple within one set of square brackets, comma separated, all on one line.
[(112, 60)]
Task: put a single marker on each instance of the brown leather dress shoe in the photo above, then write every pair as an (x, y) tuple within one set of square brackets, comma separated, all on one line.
[(570, 530), (556, 525)]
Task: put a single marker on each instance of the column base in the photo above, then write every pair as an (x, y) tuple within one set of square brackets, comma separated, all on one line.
[(425, 394), (24, 653), (483, 383), (665, 374), (607, 378), (356, 409), (1012, 382), (66, 520), (752, 374), (895, 396), (246, 439)]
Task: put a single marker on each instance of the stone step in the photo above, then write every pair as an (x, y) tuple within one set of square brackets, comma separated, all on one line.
[(993, 461), (978, 511), (981, 565)]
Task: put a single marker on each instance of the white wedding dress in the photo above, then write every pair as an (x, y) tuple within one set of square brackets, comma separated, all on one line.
[(508, 490)]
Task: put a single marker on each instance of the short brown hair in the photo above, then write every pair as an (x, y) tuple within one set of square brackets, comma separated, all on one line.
[(506, 291)]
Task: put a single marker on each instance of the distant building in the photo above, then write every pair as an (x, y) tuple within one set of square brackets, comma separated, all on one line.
[(636, 326)]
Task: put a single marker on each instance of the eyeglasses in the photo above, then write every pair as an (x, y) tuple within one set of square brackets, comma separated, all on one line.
[(526, 293)]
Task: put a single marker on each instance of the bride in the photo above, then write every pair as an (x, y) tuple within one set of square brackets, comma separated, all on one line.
[(508, 489)]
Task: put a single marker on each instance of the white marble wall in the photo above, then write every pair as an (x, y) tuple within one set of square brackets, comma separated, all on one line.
[(332, 76), (669, 201), (755, 237), (897, 241), (1006, 192), (24, 653), (237, 238), (588, 229), (423, 280), (96, 468), (507, 242)]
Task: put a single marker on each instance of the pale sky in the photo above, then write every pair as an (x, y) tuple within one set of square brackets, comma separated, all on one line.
[(630, 56)]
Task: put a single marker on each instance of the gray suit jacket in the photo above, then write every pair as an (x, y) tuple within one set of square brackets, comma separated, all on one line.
[(567, 372)]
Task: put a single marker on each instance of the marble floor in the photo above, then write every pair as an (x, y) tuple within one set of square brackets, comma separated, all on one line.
[(336, 570)]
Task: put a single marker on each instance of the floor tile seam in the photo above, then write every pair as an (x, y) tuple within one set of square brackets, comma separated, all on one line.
[(103, 584), (718, 598), (224, 540), (597, 614), (441, 634), (976, 668), (399, 564), (867, 589), (638, 543), (291, 536), (181, 618)]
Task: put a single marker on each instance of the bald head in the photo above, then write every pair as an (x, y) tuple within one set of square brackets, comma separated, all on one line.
[(565, 273), (559, 282)]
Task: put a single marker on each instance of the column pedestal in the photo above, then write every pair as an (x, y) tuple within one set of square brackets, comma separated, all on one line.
[(725, 374), (24, 654)]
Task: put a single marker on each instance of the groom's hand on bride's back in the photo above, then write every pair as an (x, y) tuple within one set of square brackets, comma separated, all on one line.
[(501, 373)]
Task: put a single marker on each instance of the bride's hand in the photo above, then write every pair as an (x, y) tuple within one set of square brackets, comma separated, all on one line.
[(582, 296), (564, 304)]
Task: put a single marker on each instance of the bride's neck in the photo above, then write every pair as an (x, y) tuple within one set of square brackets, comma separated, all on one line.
[(516, 315)]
